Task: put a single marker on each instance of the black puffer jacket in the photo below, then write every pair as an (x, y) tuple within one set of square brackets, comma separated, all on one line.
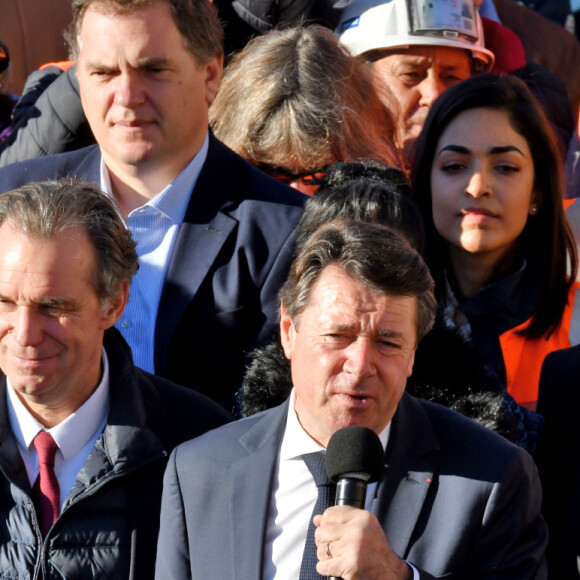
[(48, 118), (109, 523)]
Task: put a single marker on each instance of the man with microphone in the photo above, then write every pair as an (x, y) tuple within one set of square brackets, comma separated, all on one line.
[(250, 500)]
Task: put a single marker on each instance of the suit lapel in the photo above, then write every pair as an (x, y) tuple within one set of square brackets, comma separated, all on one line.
[(251, 494), (408, 474), (195, 251), (204, 231), (401, 493)]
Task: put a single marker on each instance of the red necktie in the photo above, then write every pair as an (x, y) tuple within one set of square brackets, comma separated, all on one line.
[(48, 498)]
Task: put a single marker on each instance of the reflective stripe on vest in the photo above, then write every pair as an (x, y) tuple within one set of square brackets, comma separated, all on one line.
[(523, 357)]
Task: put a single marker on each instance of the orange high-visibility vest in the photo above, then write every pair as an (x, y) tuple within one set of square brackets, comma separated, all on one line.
[(523, 357)]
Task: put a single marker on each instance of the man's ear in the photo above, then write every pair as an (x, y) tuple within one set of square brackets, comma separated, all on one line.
[(287, 333), (213, 76), (115, 307), (411, 363)]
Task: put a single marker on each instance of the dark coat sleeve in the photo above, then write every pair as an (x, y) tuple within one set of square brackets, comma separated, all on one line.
[(48, 118), (559, 459)]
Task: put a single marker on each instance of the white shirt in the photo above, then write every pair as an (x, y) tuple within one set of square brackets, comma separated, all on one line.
[(75, 436), (293, 499), (154, 226)]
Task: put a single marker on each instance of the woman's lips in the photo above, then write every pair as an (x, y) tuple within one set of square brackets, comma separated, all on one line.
[(477, 215)]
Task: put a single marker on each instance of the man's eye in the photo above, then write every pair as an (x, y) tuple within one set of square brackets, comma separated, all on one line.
[(54, 310), (102, 74), (452, 79), (388, 344), (412, 75), (333, 338)]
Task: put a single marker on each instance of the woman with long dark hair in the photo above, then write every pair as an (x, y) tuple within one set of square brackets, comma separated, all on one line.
[(488, 180)]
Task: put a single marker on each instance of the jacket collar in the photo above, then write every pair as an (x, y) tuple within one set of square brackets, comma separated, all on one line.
[(126, 443), (89, 167), (409, 472), (11, 462), (250, 501)]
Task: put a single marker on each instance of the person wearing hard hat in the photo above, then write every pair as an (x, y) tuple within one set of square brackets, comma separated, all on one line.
[(418, 49)]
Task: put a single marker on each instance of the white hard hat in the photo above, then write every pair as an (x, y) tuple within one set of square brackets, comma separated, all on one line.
[(367, 25)]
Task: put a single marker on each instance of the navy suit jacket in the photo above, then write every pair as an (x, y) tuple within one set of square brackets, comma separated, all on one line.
[(559, 459), (455, 500), (232, 254)]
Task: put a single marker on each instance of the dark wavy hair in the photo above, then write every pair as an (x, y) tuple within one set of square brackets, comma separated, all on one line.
[(365, 191), (370, 253), (546, 236)]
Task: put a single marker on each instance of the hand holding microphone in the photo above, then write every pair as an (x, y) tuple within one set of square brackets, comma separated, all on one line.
[(354, 458)]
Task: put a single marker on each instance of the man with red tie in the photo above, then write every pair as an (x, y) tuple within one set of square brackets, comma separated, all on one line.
[(84, 434)]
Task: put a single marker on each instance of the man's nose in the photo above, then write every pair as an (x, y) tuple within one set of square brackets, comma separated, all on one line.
[(430, 87), (129, 89), (359, 359), (27, 329)]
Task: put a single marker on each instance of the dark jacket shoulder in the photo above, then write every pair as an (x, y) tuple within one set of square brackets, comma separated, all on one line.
[(174, 413), (83, 164)]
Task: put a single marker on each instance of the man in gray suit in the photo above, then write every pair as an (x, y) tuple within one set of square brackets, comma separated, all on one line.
[(454, 500)]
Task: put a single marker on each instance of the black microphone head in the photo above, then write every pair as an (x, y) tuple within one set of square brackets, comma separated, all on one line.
[(354, 449)]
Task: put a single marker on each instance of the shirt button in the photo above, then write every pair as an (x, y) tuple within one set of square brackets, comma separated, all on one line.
[(125, 324)]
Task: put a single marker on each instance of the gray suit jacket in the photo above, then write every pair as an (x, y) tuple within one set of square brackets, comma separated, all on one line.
[(456, 500)]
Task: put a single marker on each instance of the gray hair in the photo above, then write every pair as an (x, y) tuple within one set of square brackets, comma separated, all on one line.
[(196, 20), (296, 97), (373, 254), (45, 209)]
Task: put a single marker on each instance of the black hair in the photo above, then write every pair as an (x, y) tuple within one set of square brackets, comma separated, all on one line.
[(546, 236)]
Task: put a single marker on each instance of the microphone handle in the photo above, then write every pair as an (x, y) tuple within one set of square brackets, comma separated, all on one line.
[(350, 491)]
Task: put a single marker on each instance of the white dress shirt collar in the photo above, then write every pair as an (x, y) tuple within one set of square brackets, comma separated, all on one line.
[(173, 200), (296, 442), (72, 433)]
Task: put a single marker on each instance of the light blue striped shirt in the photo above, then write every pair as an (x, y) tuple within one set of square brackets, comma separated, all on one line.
[(154, 227)]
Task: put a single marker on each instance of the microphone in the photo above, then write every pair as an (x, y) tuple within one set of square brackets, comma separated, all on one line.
[(354, 458)]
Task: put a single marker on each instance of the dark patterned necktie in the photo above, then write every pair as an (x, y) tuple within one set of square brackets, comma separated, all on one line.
[(326, 496), (48, 491)]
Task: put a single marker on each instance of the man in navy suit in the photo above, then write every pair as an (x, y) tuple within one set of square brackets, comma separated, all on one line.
[(214, 235), (454, 501)]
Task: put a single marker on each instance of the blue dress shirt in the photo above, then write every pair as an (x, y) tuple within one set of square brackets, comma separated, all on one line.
[(154, 226)]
